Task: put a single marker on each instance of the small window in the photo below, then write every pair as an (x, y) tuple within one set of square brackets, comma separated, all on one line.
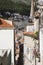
[(27, 50)]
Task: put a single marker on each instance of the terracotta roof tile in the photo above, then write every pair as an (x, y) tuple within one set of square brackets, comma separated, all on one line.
[(28, 33), (5, 23)]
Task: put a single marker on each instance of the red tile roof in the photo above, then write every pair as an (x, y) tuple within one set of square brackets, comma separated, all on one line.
[(28, 33), (5, 23)]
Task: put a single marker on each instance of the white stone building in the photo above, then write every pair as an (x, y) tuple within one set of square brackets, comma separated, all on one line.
[(7, 37), (36, 25), (29, 44), (41, 45)]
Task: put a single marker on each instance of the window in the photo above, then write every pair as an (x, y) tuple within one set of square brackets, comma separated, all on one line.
[(27, 50)]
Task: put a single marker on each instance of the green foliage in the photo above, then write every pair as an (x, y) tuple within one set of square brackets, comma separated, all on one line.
[(8, 5), (36, 35)]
